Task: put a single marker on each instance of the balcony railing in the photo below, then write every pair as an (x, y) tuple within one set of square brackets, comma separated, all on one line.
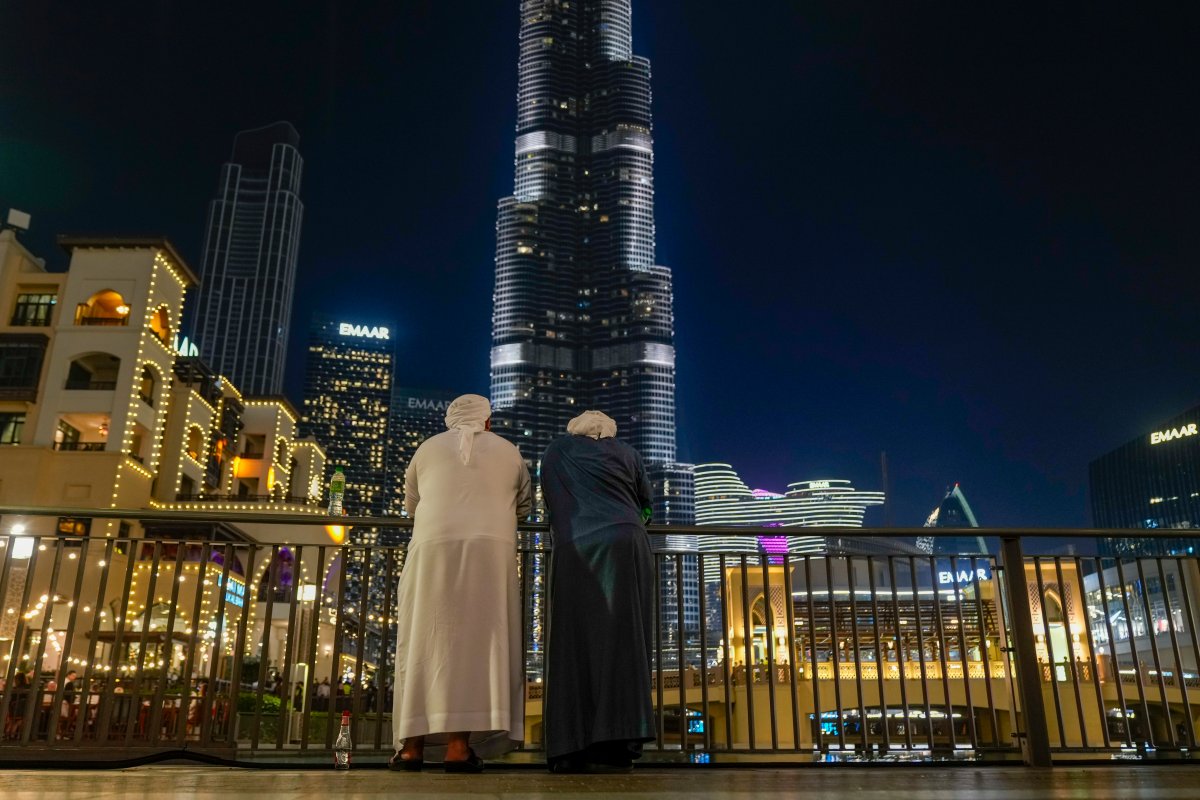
[(242, 648), (80, 446), (104, 321), (91, 386), (291, 499)]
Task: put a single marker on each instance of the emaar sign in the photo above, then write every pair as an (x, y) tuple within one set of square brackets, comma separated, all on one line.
[(1158, 437), (362, 331), (964, 576)]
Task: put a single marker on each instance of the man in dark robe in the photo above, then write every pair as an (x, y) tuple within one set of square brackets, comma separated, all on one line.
[(597, 711)]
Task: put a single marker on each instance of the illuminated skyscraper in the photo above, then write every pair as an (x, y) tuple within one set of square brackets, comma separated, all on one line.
[(416, 414), (248, 274), (582, 315), (1152, 481), (347, 397), (953, 512), (723, 498)]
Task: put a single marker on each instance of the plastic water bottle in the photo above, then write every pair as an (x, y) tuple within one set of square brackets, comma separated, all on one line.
[(342, 746), (337, 489)]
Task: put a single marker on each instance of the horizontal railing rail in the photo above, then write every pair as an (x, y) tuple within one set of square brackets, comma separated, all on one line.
[(167, 634)]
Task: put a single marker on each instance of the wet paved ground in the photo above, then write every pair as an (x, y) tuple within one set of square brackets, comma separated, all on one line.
[(959, 783)]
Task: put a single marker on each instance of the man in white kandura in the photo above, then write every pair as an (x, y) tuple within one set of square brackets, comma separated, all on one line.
[(458, 650)]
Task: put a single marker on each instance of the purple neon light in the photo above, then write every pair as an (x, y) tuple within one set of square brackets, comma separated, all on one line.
[(773, 545)]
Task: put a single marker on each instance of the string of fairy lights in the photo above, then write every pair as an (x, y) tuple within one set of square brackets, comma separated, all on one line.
[(161, 433)]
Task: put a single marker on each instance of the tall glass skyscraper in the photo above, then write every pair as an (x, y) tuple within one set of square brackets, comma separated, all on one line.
[(347, 400), (1151, 481), (248, 272), (582, 315), (953, 512), (416, 414)]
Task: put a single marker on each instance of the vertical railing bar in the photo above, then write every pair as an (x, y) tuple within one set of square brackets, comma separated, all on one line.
[(837, 663), (290, 646), (984, 649), (106, 698), (1008, 646), (1162, 682), (154, 734), (1137, 657), (386, 666), (85, 693), (1112, 646), (68, 642), (1180, 681), (854, 641), (818, 733), (683, 670), (1095, 661), (356, 691), (524, 560), (963, 650), (9, 669), (1070, 637), (1050, 654), (879, 659), (310, 653), (193, 644), (723, 595), (144, 639), (659, 678), (912, 572), (206, 721), (703, 650), (34, 702), (941, 643), (264, 646), (793, 653), (242, 641), (748, 653), (19, 634), (1021, 640), (338, 642), (1191, 626), (901, 658), (769, 620)]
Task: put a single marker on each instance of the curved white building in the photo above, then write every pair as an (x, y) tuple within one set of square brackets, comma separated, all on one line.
[(723, 498)]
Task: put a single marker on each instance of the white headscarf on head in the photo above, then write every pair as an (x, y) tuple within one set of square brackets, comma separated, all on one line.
[(595, 424), (467, 414)]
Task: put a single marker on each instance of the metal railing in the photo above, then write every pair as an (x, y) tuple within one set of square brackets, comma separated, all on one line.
[(291, 499), (88, 385), (80, 446), (251, 650)]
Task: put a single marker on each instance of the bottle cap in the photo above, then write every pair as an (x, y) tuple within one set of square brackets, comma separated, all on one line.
[(345, 716)]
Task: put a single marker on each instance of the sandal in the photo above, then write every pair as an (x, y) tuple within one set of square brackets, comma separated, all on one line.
[(401, 764), (471, 764)]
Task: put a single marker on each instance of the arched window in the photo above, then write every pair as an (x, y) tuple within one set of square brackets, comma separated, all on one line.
[(195, 442), (105, 307), (160, 324), (93, 371), (147, 386)]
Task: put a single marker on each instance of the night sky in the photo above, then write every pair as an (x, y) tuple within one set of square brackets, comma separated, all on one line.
[(968, 237)]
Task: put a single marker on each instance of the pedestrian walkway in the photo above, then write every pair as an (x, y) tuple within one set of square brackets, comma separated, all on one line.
[(1166, 782)]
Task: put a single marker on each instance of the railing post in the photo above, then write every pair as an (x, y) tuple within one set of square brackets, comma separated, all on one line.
[(1035, 742)]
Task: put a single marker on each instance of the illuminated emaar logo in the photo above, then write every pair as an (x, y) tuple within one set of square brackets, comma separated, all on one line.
[(362, 331), (962, 576), (1158, 437)]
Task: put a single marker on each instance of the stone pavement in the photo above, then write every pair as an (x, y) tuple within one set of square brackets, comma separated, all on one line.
[(1164, 782)]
